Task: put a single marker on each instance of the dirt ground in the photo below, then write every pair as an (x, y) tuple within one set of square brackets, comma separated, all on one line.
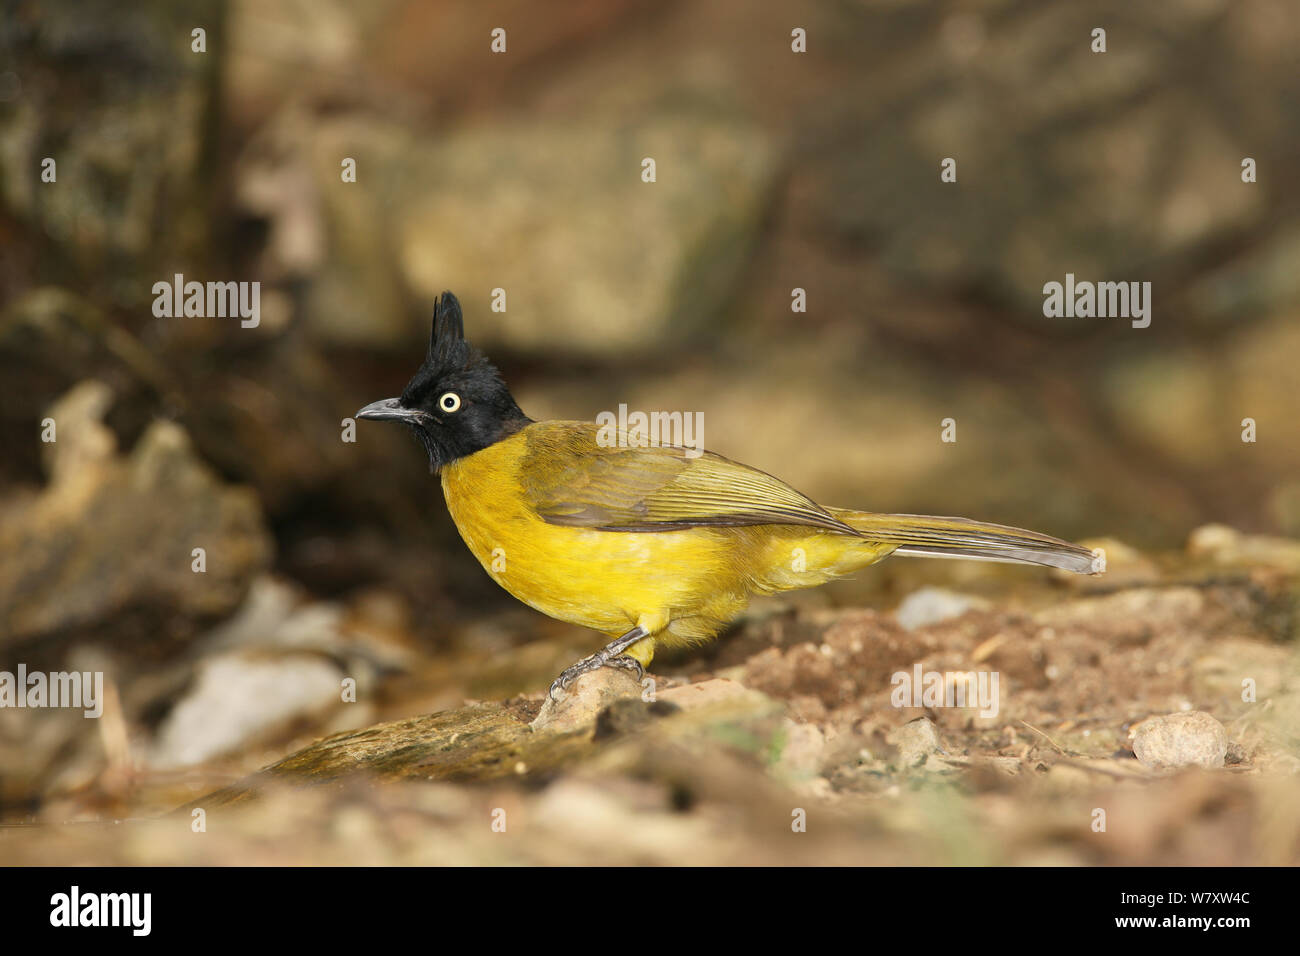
[(782, 744)]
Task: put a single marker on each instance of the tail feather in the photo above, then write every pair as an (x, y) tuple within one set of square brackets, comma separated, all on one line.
[(937, 537)]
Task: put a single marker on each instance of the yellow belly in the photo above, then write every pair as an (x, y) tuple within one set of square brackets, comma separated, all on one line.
[(679, 586)]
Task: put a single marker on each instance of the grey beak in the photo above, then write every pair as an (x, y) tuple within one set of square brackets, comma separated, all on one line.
[(388, 410)]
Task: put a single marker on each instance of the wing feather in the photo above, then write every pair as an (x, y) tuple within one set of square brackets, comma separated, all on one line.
[(571, 479)]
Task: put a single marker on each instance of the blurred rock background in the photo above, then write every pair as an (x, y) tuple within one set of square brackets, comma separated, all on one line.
[(521, 171)]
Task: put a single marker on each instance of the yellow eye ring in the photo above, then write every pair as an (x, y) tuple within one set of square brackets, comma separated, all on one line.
[(449, 402)]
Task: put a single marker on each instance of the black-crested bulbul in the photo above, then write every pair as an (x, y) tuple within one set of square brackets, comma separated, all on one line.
[(647, 544)]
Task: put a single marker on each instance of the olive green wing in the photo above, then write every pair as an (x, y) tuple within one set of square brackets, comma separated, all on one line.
[(570, 478)]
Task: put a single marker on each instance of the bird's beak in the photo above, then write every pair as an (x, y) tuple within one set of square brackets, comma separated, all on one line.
[(388, 410)]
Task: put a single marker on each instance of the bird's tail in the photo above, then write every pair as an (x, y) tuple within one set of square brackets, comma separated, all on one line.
[(933, 537)]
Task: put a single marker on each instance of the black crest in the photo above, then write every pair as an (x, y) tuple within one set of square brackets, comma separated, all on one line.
[(447, 346)]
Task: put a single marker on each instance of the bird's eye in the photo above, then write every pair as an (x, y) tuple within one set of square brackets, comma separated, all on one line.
[(449, 402)]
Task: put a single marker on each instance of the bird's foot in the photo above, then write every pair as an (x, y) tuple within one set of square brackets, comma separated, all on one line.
[(592, 663), (573, 672), (611, 655)]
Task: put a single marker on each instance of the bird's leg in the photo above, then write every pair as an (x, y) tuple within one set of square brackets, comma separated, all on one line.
[(611, 655)]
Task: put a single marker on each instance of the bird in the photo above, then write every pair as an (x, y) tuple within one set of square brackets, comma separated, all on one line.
[(652, 545)]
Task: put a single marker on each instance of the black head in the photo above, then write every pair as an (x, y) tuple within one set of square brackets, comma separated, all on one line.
[(456, 403)]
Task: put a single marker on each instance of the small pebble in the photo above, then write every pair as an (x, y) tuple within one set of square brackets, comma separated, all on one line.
[(916, 740), (929, 606), (1172, 741)]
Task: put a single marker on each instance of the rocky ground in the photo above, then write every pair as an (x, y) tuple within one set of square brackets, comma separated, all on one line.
[(1147, 716)]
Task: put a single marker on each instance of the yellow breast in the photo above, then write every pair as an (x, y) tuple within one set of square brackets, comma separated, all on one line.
[(607, 580)]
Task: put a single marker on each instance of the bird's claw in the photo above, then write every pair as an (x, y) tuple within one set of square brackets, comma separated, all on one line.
[(589, 664), (628, 663)]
